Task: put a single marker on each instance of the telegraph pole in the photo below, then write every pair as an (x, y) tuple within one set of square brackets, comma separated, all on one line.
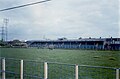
[(6, 28), (2, 34)]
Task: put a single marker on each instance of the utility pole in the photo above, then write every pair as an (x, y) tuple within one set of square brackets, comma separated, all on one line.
[(2, 34), (4, 30)]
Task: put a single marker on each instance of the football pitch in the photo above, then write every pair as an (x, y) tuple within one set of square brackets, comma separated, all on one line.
[(68, 56)]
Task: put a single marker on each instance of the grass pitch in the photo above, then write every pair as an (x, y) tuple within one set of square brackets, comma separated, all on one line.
[(81, 57), (60, 71)]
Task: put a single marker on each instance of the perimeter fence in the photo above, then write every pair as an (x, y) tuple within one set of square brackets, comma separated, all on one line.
[(24, 69)]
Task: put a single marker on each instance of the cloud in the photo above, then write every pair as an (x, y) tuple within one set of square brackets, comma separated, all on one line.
[(58, 18)]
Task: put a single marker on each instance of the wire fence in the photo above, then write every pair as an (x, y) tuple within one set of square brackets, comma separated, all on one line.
[(24, 69), (12, 68), (33, 70), (61, 71), (92, 72)]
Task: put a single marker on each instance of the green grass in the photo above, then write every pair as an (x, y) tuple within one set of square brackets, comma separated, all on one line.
[(81, 57), (62, 71)]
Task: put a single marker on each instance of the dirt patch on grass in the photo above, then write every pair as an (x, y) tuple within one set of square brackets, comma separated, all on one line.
[(96, 57), (112, 58)]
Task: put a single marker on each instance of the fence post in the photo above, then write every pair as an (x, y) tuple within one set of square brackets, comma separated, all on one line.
[(45, 70), (117, 73), (3, 68), (21, 69), (76, 71)]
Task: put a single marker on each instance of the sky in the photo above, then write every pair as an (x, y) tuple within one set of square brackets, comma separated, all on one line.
[(61, 18)]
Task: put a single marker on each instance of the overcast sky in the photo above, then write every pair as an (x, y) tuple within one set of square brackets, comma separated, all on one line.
[(61, 18)]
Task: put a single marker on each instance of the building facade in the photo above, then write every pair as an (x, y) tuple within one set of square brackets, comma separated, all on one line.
[(86, 43)]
